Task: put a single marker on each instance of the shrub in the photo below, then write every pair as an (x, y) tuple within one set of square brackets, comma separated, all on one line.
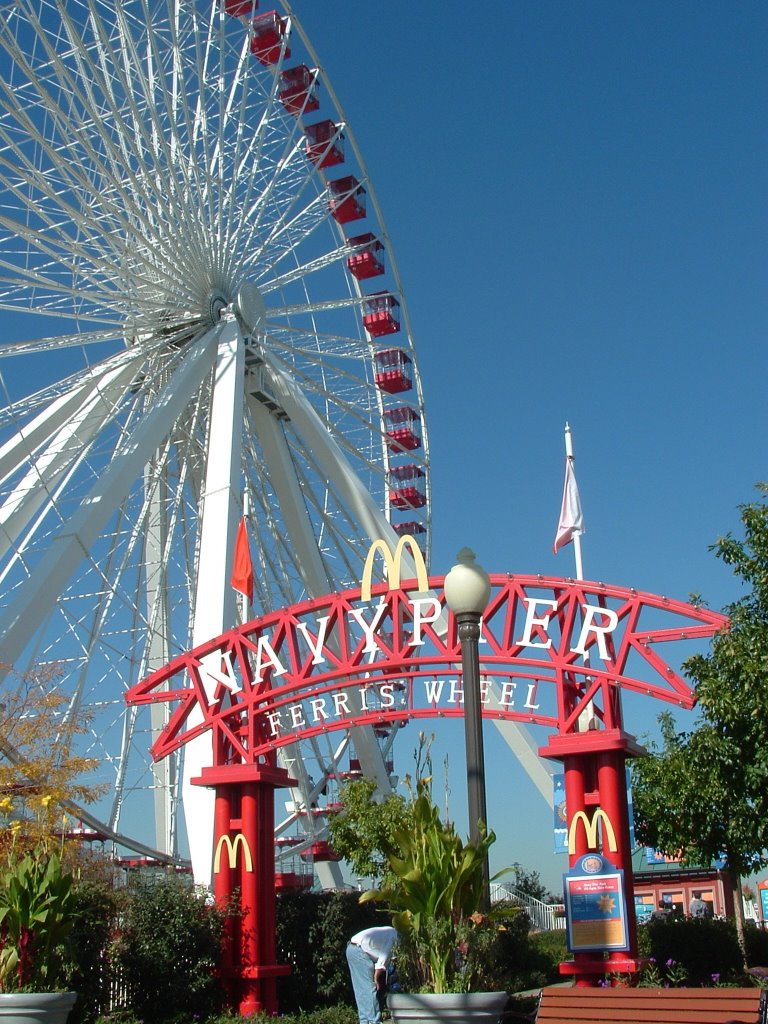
[(168, 952), (313, 929), (328, 1015), (96, 908), (512, 962), (339, 917), (698, 949), (549, 950), (756, 946)]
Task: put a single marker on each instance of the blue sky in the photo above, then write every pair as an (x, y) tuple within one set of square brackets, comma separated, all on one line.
[(576, 194)]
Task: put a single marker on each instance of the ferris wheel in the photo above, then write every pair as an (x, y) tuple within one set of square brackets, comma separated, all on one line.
[(203, 319)]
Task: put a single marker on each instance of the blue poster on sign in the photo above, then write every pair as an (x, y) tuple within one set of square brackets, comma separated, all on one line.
[(764, 903), (560, 813)]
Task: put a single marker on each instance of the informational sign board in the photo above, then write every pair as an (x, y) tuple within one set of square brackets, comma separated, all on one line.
[(763, 890), (595, 906)]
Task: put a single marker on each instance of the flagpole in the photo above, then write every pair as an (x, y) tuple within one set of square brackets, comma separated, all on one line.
[(244, 603), (587, 716), (577, 535)]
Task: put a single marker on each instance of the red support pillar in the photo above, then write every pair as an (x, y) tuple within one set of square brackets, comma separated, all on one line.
[(594, 763), (612, 787), (224, 885), (578, 772), (244, 860)]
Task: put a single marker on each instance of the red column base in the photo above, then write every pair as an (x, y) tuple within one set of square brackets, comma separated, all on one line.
[(589, 972)]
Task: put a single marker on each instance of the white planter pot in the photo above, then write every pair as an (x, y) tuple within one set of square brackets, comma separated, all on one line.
[(36, 1007), (446, 1008)]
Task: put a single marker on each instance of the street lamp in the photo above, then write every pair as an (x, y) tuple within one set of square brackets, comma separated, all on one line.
[(467, 590)]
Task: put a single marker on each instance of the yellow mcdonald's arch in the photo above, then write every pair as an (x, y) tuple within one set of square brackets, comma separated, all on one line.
[(590, 830), (393, 563), (232, 852)]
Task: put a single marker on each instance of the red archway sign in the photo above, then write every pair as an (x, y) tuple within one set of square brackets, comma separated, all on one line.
[(553, 652)]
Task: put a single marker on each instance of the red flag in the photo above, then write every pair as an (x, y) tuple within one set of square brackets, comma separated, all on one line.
[(242, 566), (571, 516)]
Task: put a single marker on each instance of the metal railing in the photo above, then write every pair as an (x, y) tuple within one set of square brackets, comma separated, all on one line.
[(544, 917)]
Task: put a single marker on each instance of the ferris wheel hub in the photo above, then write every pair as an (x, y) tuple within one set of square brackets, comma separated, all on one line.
[(216, 306)]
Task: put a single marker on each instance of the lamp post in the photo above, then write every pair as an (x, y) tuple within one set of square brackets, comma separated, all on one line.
[(467, 589)]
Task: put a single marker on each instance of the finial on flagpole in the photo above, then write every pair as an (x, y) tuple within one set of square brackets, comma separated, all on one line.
[(568, 441)]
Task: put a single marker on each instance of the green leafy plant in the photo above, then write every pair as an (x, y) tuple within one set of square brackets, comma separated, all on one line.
[(433, 890), (331, 1014), (37, 912), (690, 952), (361, 831), (99, 900), (167, 952), (313, 929), (724, 755)]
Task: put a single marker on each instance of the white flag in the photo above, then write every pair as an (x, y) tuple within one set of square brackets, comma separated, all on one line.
[(571, 516)]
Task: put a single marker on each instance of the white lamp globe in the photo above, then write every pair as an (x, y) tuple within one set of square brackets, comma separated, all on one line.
[(467, 586)]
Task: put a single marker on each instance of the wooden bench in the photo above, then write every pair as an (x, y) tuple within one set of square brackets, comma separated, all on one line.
[(566, 1005)]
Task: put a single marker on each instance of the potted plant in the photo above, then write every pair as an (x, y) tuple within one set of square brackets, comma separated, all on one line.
[(36, 915), (433, 890), (37, 901)]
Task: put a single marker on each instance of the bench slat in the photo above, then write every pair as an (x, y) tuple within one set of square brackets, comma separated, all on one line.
[(569, 1005)]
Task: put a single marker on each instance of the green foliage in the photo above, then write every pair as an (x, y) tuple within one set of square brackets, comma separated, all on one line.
[(97, 906), (340, 915), (433, 890), (531, 884), (705, 792), (361, 832), (37, 908), (340, 1014), (693, 951), (129, 1017), (667, 788), (550, 950), (755, 946), (168, 952), (507, 958), (313, 929)]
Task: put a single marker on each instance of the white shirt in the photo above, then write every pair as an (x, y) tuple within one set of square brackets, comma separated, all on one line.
[(378, 943)]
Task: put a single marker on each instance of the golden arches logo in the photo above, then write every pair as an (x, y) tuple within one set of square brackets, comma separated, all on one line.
[(393, 564), (232, 846), (590, 830)]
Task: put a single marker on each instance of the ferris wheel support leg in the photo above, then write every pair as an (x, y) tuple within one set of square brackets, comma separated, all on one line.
[(371, 519), (215, 607), (156, 590), (291, 500), (330, 456), (303, 541)]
